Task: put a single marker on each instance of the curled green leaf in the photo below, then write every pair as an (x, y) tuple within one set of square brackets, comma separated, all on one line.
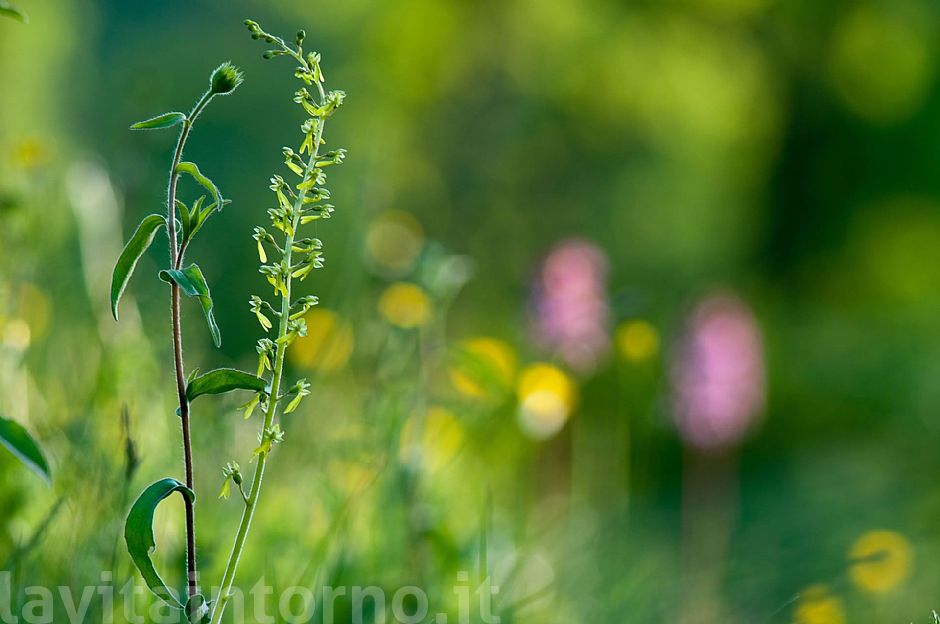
[(127, 261), (138, 533), (192, 170), (166, 120), (193, 283), (11, 10), (18, 441), (197, 610), (223, 380)]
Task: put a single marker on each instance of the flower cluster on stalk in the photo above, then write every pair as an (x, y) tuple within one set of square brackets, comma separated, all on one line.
[(300, 199)]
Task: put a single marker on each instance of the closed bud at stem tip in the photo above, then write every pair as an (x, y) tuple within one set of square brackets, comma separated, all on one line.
[(225, 79)]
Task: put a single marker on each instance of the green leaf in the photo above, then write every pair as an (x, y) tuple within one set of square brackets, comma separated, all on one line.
[(134, 249), (192, 282), (18, 441), (185, 225), (138, 533), (223, 380), (193, 170), (166, 120), (11, 10), (197, 610)]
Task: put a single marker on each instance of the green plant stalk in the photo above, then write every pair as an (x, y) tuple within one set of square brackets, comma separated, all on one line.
[(176, 260), (228, 577)]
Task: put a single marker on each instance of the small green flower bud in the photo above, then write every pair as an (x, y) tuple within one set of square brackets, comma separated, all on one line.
[(301, 35), (197, 610), (225, 79)]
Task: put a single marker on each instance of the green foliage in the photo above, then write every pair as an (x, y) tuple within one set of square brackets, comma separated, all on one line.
[(166, 120), (222, 380), (18, 441), (192, 282), (138, 533), (193, 170), (127, 262), (11, 10)]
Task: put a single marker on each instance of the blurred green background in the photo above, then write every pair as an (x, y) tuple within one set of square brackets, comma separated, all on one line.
[(783, 151)]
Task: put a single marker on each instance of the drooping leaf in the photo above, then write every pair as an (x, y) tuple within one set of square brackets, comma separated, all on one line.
[(192, 282), (193, 170), (11, 10), (138, 533), (223, 380), (134, 249), (18, 441), (166, 120)]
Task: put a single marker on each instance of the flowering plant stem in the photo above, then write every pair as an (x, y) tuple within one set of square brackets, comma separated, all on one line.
[(288, 218), (228, 578), (177, 252), (182, 223)]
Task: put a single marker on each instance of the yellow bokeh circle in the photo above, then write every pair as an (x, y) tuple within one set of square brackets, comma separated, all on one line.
[(394, 241), (880, 561), (483, 368), (547, 397), (637, 340), (327, 345), (818, 605), (434, 439), (405, 305)]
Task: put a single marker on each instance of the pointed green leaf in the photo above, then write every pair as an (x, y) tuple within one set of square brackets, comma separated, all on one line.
[(192, 282), (138, 533), (224, 380), (185, 225), (10, 10), (134, 249), (166, 120), (18, 441), (193, 170)]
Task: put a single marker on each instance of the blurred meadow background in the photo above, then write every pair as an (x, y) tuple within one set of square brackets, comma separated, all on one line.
[(632, 306)]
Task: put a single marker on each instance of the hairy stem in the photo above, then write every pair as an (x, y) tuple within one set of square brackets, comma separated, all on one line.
[(228, 578), (176, 260)]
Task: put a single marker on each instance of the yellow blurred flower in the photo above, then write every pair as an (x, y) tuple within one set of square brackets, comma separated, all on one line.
[(880, 561), (817, 605), (441, 437), (485, 368), (637, 340), (546, 398), (327, 345), (405, 305), (394, 241), (29, 154)]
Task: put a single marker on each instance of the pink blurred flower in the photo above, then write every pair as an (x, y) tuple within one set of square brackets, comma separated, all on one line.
[(571, 314), (718, 374)]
